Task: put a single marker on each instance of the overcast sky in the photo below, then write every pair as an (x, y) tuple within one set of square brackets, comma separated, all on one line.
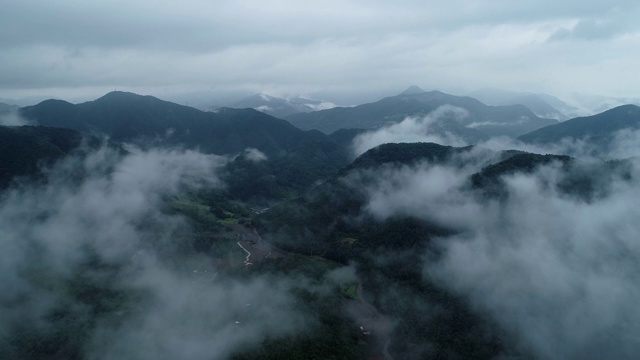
[(331, 49)]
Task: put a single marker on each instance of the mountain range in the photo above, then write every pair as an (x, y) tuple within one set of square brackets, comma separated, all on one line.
[(146, 120), (478, 122)]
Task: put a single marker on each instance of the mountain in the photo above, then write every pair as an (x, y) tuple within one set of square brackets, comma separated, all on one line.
[(328, 221), (481, 121), (412, 90), (329, 209), (146, 120), (341, 220), (280, 107), (598, 129), (405, 154)]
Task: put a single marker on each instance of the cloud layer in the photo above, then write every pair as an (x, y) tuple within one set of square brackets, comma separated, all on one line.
[(622, 144), (92, 263), (70, 50), (412, 129)]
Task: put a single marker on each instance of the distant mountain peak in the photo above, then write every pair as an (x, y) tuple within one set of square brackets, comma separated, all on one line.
[(481, 122), (412, 90), (117, 93), (123, 96)]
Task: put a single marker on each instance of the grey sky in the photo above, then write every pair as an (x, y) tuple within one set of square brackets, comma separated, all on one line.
[(75, 49)]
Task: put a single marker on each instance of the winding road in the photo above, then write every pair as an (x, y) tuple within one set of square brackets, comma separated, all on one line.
[(254, 246)]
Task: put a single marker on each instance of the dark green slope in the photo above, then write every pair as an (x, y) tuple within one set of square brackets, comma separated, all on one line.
[(584, 180), (285, 176), (146, 120), (346, 136), (598, 128), (56, 113), (331, 221), (405, 154), (24, 148), (326, 210), (482, 121)]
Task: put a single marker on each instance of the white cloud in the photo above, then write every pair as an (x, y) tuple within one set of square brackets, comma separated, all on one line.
[(412, 129), (102, 219), (254, 155), (554, 271), (342, 48), (13, 118), (623, 144)]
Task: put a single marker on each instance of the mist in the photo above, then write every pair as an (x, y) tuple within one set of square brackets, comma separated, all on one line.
[(12, 118), (555, 271), (412, 129), (93, 265), (621, 144), (254, 155)]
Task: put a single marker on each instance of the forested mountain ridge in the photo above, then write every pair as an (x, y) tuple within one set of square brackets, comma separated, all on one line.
[(288, 160), (352, 217), (480, 122), (146, 120), (596, 128)]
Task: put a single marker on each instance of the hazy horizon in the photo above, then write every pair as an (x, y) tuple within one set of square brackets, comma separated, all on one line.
[(350, 51)]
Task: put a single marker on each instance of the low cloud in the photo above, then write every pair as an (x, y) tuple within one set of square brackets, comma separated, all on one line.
[(323, 105), (13, 118), (93, 260), (555, 272), (254, 155), (620, 145), (200, 320), (412, 129)]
